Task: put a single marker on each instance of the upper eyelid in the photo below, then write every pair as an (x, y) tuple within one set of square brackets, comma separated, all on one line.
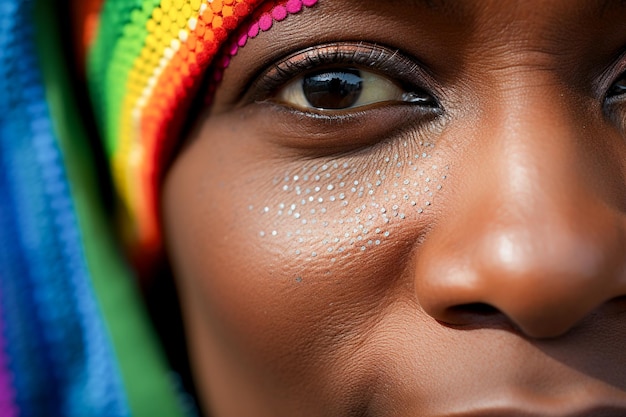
[(620, 69), (611, 73), (621, 76), (368, 56)]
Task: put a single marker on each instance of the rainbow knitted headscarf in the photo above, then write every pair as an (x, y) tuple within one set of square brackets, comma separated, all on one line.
[(74, 338), (145, 67)]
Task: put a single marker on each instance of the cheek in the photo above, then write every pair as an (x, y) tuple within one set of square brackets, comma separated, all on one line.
[(334, 212), (292, 262)]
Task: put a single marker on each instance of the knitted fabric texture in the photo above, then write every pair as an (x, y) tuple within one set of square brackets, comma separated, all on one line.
[(145, 67), (74, 337), (56, 357)]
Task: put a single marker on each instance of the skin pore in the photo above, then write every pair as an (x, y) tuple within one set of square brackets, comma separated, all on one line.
[(451, 245)]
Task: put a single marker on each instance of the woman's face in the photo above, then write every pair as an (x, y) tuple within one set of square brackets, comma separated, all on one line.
[(411, 208)]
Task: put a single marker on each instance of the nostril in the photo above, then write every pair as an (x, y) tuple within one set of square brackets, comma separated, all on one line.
[(474, 315), (616, 306), (481, 309)]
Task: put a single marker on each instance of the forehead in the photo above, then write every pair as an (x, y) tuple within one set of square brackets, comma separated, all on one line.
[(560, 12), (467, 6), (470, 16), (441, 33)]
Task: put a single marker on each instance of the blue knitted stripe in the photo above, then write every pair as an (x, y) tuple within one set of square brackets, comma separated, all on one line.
[(59, 350)]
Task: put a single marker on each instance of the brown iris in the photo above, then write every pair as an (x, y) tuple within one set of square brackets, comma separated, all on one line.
[(333, 89)]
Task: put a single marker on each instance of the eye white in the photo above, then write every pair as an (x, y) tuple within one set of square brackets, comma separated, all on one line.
[(375, 88)]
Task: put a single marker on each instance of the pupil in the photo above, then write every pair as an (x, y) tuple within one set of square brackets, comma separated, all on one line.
[(335, 90)]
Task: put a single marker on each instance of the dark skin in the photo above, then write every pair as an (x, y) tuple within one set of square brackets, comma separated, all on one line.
[(464, 256)]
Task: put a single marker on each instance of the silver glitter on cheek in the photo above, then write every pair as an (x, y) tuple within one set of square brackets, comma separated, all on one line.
[(350, 207)]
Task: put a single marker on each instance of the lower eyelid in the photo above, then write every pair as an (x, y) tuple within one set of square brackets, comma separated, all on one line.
[(317, 133)]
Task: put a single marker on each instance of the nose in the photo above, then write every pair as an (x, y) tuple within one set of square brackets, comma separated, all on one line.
[(535, 233)]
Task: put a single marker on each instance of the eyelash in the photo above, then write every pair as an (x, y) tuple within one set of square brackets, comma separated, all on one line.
[(617, 91), (367, 57)]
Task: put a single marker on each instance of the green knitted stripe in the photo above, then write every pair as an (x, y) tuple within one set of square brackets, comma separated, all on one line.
[(146, 377)]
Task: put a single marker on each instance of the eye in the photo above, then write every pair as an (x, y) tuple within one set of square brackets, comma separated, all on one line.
[(618, 88), (344, 96), (338, 78), (345, 89)]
